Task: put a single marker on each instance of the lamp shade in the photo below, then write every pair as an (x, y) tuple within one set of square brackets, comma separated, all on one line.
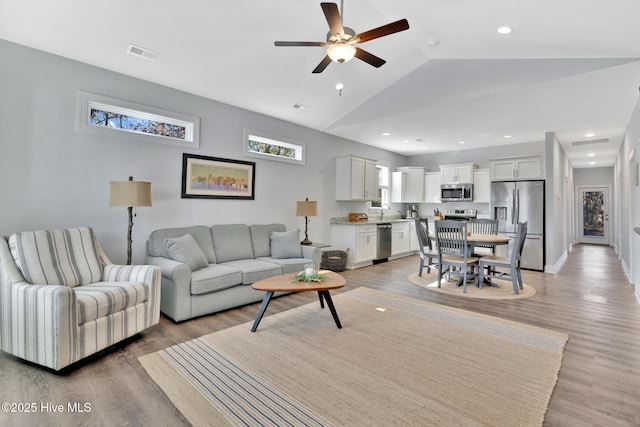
[(307, 208), (341, 52), (130, 193)]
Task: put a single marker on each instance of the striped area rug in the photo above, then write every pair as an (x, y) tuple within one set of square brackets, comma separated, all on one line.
[(396, 361)]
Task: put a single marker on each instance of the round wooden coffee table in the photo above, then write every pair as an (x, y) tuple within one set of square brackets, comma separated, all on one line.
[(285, 283)]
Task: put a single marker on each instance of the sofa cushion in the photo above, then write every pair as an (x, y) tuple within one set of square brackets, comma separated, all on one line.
[(261, 238), (285, 244), (156, 245), (185, 249), (290, 265), (102, 299), (232, 242), (66, 257), (214, 277), (254, 270)]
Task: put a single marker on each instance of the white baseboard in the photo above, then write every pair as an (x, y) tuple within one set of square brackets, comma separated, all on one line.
[(556, 267)]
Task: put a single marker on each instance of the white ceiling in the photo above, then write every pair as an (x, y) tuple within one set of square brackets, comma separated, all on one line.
[(570, 66)]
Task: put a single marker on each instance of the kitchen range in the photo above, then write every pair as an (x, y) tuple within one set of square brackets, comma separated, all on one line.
[(460, 214)]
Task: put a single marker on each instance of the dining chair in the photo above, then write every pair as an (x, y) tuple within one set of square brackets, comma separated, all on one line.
[(451, 241), (483, 226), (425, 247), (492, 262)]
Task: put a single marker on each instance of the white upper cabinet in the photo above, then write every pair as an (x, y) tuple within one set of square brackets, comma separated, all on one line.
[(517, 168), (481, 186), (407, 185), (454, 174), (432, 181), (356, 179)]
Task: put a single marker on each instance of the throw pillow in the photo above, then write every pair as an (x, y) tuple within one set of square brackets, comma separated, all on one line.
[(285, 244), (185, 249)]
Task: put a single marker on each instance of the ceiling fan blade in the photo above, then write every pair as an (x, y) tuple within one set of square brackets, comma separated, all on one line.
[(280, 43), (385, 30), (322, 65), (369, 58), (332, 14)]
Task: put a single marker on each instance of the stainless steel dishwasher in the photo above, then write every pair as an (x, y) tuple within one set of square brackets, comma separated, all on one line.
[(383, 251)]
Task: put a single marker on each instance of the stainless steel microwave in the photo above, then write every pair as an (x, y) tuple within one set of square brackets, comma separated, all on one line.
[(456, 192)]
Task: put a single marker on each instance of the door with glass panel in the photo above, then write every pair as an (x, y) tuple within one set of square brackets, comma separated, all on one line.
[(593, 215)]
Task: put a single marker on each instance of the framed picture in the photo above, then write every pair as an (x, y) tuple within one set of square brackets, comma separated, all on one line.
[(215, 178)]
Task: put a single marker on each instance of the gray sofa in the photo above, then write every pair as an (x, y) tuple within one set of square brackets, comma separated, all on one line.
[(210, 269)]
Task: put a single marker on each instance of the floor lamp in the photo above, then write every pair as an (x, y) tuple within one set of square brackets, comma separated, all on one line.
[(130, 194), (306, 209)]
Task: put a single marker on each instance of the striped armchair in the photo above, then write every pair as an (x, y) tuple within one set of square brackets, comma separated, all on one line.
[(62, 300)]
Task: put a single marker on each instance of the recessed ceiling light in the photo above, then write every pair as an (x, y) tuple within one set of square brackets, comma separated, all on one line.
[(591, 154), (460, 142), (385, 134), (592, 163), (339, 86), (507, 136), (405, 141), (589, 135), (504, 30)]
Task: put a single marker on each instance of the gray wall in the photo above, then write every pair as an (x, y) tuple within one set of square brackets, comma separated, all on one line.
[(627, 205), (559, 202), (54, 176), (593, 176)]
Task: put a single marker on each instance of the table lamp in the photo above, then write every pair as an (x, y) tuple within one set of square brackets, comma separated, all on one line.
[(130, 194), (306, 209)]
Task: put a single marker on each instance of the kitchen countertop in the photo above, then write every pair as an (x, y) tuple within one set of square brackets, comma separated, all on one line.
[(375, 220)]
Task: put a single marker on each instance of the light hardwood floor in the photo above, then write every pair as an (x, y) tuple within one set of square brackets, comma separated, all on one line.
[(590, 299)]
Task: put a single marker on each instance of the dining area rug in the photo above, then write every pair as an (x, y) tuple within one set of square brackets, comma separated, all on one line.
[(396, 361), (502, 289)]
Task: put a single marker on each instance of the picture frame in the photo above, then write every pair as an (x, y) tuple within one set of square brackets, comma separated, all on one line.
[(206, 177)]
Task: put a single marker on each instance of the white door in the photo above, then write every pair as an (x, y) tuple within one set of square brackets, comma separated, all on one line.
[(593, 211)]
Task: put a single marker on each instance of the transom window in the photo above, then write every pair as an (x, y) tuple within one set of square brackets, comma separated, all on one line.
[(260, 145), (98, 113)]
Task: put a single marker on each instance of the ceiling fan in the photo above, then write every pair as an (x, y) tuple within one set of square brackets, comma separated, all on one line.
[(341, 40)]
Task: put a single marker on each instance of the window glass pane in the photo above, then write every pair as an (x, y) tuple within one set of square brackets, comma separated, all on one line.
[(131, 123), (261, 145), (593, 213), (383, 187)]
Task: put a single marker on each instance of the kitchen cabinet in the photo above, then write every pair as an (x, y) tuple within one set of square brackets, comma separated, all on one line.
[(361, 240), (413, 237), (400, 238), (407, 185), (481, 186), (432, 182), (356, 179), (517, 168), (457, 174)]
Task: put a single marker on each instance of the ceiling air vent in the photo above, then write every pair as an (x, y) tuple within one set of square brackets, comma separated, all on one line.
[(140, 51), (591, 141)]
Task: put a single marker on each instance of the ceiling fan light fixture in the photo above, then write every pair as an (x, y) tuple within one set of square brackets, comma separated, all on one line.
[(341, 52)]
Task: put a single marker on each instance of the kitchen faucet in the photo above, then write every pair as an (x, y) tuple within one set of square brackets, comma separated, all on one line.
[(382, 209)]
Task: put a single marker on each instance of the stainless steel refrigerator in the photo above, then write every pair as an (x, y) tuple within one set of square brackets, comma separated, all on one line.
[(518, 201)]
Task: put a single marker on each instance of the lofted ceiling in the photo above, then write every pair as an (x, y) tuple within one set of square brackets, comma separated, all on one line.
[(571, 67)]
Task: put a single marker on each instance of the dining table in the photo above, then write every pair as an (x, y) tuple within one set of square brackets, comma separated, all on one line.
[(474, 239)]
